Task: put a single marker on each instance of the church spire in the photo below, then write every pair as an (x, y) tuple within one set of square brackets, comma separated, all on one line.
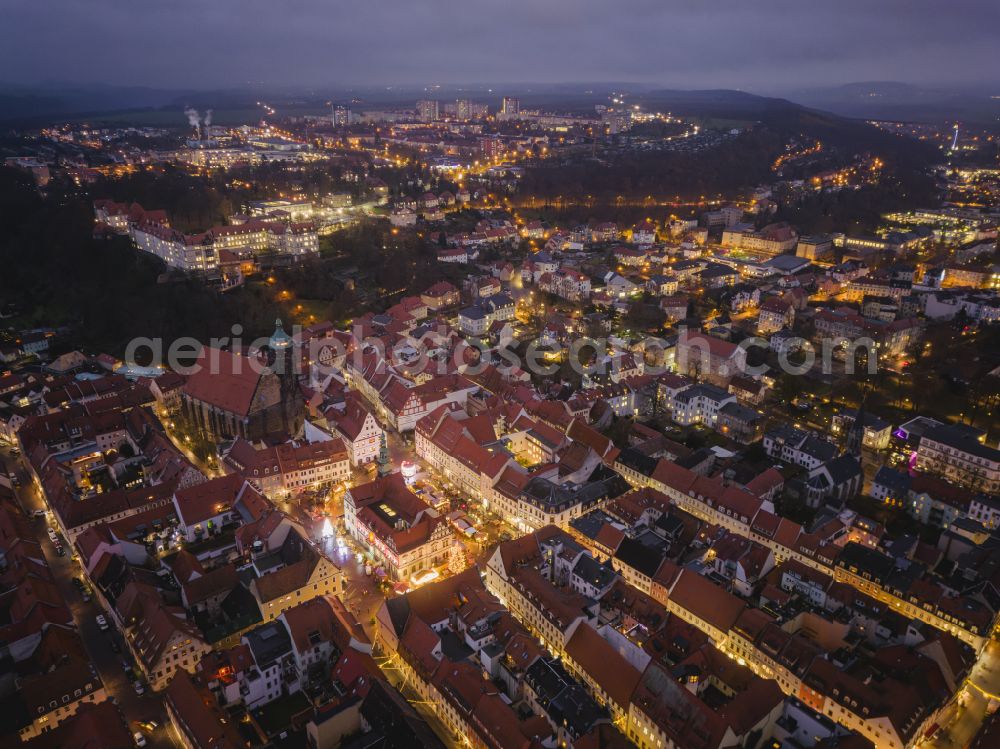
[(856, 434)]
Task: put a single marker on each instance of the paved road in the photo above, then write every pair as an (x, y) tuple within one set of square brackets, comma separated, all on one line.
[(395, 677), (363, 596), (968, 710), (98, 644)]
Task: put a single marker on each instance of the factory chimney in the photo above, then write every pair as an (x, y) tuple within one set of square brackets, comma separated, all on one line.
[(194, 120)]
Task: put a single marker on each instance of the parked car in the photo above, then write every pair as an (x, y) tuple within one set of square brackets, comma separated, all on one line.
[(38, 514), (147, 725), (139, 739), (139, 688), (102, 622), (60, 550)]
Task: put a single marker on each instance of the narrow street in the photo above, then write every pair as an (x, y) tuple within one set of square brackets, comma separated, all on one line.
[(110, 664), (395, 677), (968, 710)]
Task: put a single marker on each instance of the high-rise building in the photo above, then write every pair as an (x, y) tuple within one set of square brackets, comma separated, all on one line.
[(511, 106), (341, 116), (490, 147), (427, 110), (617, 122), (463, 109)]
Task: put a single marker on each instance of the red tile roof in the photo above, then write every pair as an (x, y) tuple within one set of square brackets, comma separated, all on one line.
[(217, 582), (202, 720), (94, 726), (603, 664), (328, 618), (224, 380), (356, 671), (714, 346), (198, 503), (706, 600)]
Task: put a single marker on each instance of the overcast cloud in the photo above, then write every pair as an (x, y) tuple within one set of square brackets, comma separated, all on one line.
[(766, 46)]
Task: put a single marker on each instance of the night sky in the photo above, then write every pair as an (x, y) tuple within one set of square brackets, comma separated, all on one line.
[(768, 45)]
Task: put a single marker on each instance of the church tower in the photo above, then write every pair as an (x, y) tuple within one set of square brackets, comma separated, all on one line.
[(856, 434), (283, 366)]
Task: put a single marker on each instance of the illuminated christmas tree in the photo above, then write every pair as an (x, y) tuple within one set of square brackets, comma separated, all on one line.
[(384, 464)]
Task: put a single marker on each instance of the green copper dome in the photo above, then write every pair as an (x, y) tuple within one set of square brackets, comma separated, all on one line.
[(280, 339)]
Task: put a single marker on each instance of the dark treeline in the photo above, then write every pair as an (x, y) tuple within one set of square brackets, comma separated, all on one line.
[(744, 162), (736, 164), (198, 202), (193, 203), (393, 261), (859, 211), (55, 273)]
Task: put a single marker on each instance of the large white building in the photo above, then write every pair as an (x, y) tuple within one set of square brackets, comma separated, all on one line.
[(478, 318), (773, 239), (200, 252), (959, 457), (699, 404), (297, 209), (566, 282)]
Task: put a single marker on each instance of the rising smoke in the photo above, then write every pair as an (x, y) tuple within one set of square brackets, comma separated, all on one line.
[(196, 121)]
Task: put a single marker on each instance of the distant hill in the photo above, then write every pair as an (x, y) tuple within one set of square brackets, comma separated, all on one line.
[(819, 110), (781, 114), (787, 118), (721, 102), (24, 103), (891, 100)]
